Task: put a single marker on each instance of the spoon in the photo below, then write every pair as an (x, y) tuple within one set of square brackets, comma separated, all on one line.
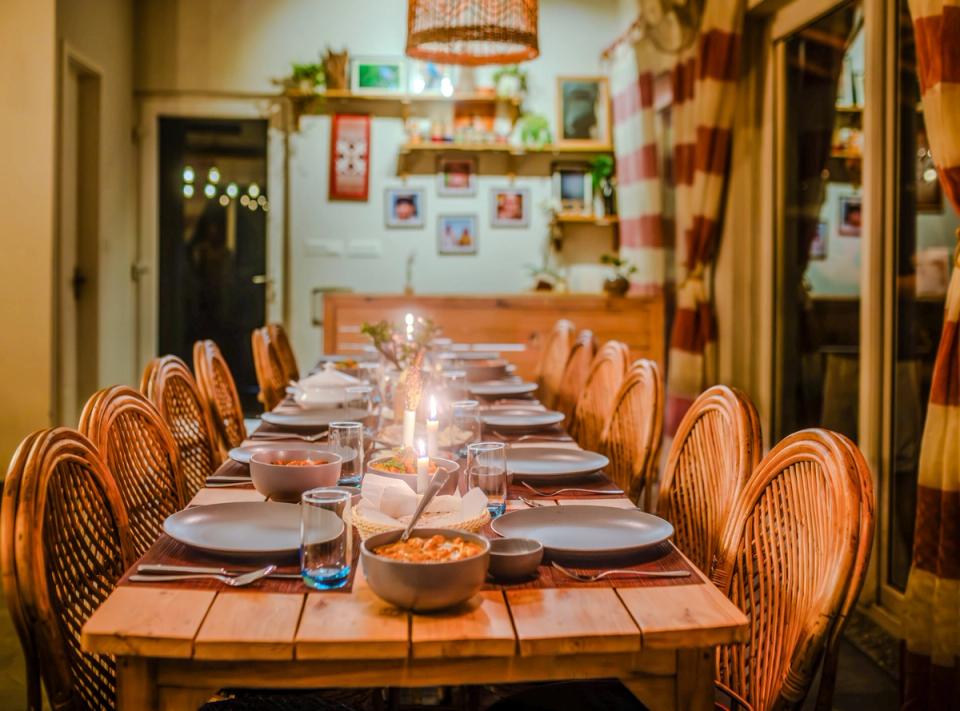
[(439, 479)]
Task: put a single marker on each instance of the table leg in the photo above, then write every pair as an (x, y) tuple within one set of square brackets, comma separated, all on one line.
[(696, 669), (136, 684)]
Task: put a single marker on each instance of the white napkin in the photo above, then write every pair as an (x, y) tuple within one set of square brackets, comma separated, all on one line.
[(392, 502)]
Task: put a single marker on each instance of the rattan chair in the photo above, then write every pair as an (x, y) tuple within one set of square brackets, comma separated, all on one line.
[(220, 394), (595, 404), (288, 360), (632, 437), (553, 360), (575, 373), (140, 453), (716, 447), (168, 383), (72, 545), (793, 556), (266, 361)]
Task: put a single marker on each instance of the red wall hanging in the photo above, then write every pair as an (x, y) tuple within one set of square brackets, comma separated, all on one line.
[(349, 157)]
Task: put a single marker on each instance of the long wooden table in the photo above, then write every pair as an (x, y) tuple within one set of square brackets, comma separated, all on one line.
[(175, 647)]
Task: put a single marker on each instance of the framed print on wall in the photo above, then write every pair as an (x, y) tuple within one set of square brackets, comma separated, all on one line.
[(404, 207), (573, 187), (583, 111), (378, 75), (457, 234), (349, 157), (457, 177), (509, 207), (851, 216), (431, 79)]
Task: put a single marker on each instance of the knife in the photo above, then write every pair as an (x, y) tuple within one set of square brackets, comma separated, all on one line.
[(161, 569)]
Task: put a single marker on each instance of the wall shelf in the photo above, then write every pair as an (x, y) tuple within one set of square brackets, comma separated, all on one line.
[(575, 219), (505, 149)]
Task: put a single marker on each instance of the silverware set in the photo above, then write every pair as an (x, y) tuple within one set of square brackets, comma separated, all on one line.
[(159, 573), (281, 436), (584, 578), (604, 492)]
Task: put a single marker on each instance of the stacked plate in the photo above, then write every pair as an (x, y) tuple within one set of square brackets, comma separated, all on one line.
[(248, 528), (549, 464), (509, 418)]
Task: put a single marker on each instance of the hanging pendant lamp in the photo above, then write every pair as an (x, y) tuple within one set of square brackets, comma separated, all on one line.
[(472, 31)]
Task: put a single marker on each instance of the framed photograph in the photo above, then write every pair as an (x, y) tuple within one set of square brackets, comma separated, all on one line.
[(509, 207), (573, 187), (457, 177), (349, 157), (404, 207), (378, 75), (851, 216), (431, 79), (929, 195), (457, 234), (818, 247), (583, 111)]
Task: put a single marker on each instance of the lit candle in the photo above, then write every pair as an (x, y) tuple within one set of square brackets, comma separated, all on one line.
[(409, 427), (408, 319), (433, 427), (423, 468)]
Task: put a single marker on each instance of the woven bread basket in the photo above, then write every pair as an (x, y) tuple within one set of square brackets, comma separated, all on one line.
[(369, 528)]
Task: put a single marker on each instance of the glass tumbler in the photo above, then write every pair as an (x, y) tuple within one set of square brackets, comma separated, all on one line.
[(326, 538), (464, 425), (487, 471), (455, 385), (346, 439), (360, 398)]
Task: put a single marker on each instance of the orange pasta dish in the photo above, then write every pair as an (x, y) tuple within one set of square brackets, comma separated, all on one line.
[(296, 462), (435, 549), (404, 462)]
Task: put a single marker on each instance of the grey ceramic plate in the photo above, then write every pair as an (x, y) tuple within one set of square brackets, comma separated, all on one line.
[(243, 454), (501, 388), (586, 532), (238, 528), (520, 418), (289, 417), (541, 463)]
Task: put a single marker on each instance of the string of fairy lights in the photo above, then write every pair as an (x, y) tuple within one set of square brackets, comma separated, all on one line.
[(251, 198)]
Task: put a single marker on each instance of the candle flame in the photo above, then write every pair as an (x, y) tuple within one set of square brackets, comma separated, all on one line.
[(421, 448), (433, 407)]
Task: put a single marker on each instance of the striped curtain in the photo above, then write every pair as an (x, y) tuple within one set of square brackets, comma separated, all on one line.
[(639, 183), (932, 663), (704, 98)]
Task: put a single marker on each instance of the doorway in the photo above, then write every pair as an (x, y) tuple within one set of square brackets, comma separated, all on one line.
[(213, 205), (79, 230)]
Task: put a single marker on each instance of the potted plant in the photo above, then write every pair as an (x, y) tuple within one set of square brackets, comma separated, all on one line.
[(544, 278), (533, 130), (601, 173), (510, 82), (623, 269), (307, 77)]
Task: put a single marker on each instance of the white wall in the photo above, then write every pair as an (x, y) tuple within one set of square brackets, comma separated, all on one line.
[(101, 31), (240, 45)]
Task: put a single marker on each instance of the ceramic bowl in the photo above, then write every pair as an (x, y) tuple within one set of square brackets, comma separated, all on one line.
[(283, 482), (514, 558), (411, 479), (422, 587)]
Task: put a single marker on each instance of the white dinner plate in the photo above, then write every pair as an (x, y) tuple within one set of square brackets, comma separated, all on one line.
[(520, 418), (543, 463), (238, 528), (315, 419), (501, 388), (243, 454), (585, 532)]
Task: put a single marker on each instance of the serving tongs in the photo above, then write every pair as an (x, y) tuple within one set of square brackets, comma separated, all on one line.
[(437, 483)]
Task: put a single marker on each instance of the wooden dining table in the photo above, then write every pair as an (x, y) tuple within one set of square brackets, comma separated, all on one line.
[(177, 644)]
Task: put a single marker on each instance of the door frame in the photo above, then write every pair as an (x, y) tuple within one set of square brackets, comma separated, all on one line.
[(225, 105), (73, 61)]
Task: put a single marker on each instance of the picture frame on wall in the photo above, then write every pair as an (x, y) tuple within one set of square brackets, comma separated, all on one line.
[(457, 177), (851, 216), (456, 234), (509, 207), (573, 188), (583, 112), (818, 246), (378, 75), (349, 157), (929, 194), (431, 79), (404, 207)]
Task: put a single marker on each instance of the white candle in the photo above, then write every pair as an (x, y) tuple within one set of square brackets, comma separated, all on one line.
[(408, 320), (423, 468), (433, 428), (409, 427)]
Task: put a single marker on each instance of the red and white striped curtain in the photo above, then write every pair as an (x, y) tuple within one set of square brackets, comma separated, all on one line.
[(704, 99), (932, 664)]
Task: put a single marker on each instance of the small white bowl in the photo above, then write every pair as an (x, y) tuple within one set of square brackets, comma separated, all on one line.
[(411, 479)]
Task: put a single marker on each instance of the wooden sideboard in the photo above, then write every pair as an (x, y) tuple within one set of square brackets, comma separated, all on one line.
[(515, 324)]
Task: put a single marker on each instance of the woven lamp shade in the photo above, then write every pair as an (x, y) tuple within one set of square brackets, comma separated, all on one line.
[(472, 31)]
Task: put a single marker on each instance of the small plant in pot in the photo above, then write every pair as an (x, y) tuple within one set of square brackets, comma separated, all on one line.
[(544, 278), (623, 269), (510, 82), (306, 77), (601, 173), (533, 131)]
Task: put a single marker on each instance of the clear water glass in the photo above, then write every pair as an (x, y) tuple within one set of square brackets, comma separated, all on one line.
[(346, 439), (455, 385), (362, 399), (464, 425), (487, 471), (326, 538)]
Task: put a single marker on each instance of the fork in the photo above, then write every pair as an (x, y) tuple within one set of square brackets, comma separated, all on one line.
[(545, 437), (639, 573), (539, 492), (234, 582), (280, 436), (533, 504)]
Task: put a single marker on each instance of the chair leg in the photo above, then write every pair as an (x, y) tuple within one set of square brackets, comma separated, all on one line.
[(828, 677), (34, 688)]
